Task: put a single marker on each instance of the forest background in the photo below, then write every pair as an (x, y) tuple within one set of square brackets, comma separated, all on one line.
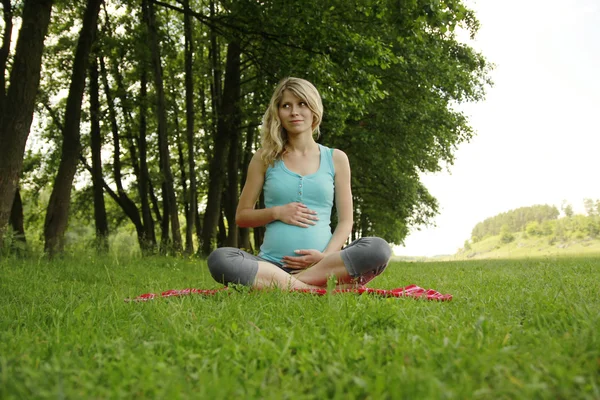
[(145, 114)]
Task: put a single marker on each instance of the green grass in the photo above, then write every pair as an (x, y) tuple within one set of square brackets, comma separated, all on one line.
[(515, 329)]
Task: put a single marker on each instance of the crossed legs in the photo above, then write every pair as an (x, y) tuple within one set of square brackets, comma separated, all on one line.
[(358, 263)]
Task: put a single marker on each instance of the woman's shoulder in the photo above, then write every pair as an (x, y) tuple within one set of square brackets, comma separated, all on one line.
[(340, 159), (337, 154), (257, 161)]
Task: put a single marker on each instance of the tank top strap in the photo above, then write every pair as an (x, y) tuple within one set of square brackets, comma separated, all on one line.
[(328, 158)]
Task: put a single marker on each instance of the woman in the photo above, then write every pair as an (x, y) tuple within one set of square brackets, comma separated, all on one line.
[(300, 179)]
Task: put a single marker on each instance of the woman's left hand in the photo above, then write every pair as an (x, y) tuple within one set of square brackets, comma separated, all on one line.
[(307, 258)]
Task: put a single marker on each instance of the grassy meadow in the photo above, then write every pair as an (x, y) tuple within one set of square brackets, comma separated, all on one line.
[(521, 328)]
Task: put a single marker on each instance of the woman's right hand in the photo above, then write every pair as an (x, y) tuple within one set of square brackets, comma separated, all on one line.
[(296, 214)]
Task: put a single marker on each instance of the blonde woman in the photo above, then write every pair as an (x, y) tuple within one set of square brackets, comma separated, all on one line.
[(300, 179)]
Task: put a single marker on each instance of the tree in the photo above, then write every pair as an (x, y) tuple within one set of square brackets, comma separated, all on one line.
[(100, 219), (590, 207), (18, 102), (190, 115), (58, 207), (506, 235), (567, 209), (169, 198)]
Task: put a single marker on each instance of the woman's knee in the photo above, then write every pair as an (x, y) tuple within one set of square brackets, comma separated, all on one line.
[(230, 265), (218, 263), (379, 249), (366, 258), (371, 250)]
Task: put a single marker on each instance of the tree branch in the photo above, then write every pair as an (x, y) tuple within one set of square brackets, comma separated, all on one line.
[(218, 24)]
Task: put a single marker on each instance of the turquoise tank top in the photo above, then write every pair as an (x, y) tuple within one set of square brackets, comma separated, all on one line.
[(316, 191)]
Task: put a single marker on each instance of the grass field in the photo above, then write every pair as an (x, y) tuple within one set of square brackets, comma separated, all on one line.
[(525, 328)]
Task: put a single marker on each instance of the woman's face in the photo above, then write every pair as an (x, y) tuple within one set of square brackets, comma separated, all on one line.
[(294, 114)]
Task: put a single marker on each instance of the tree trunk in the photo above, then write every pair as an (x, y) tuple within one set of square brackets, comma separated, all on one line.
[(144, 178), (163, 144), (244, 242), (231, 200), (164, 222), (190, 115), (60, 199), (227, 124), (145, 225), (100, 219), (16, 218), (259, 231), (5, 48), (215, 61), (186, 203), (127, 205), (17, 111), (222, 231)]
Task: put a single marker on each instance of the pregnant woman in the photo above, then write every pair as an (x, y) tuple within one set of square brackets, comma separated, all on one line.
[(300, 179)]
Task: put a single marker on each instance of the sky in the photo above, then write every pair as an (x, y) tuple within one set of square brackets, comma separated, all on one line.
[(537, 131)]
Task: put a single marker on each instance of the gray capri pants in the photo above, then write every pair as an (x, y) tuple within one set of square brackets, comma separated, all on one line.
[(365, 258)]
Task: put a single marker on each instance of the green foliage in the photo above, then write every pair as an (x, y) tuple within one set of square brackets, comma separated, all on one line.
[(515, 220), (506, 235), (567, 209), (515, 329), (533, 228)]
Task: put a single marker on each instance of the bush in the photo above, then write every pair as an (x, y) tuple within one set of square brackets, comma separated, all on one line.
[(506, 235), (533, 228)]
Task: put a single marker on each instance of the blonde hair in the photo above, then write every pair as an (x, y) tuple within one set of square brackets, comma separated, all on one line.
[(273, 135)]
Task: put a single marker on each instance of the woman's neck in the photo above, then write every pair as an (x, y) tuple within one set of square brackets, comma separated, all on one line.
[(301, 144)]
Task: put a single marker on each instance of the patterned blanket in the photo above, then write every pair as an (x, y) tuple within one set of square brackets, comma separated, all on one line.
[(413, 291)]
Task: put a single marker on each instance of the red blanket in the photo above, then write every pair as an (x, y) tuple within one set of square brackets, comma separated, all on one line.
[(413, 291)]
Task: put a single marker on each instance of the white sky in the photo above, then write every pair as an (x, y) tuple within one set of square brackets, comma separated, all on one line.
[(538, 135)]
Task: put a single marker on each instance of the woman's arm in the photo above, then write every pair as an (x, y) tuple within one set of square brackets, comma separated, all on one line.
[(343, 202), (247, 216)]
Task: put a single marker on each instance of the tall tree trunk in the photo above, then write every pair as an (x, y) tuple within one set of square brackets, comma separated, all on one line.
[(190, 115), (231, 200), (222, 231), (128, 206), (16, 218), (60, 199), (259, 231), (180, 158), (163, 143), (144, 178), (216, 84), (18, 104), (5, 48), (146, 239), (247, 156), (228, 122), (100, 218), (184, 188)]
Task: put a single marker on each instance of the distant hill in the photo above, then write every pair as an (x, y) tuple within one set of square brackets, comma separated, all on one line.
[(536, 231), (524, 245)]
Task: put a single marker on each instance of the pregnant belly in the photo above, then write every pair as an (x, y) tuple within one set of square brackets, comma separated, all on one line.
[(282, 239)]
